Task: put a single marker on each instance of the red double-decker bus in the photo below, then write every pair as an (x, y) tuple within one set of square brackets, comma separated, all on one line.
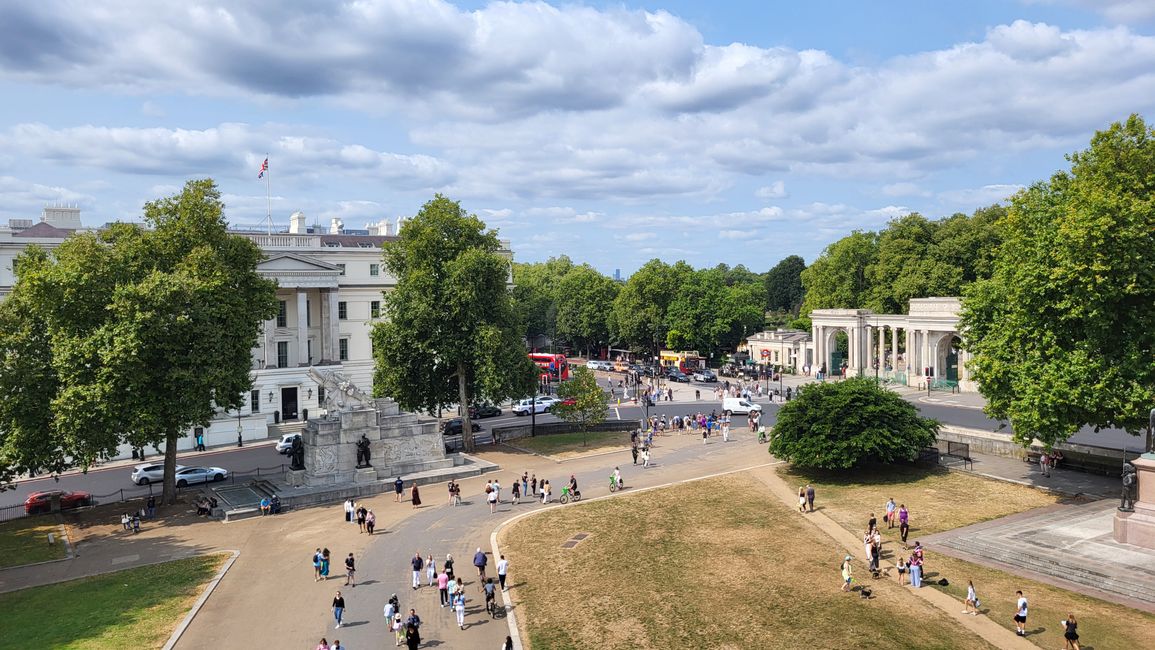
[(554, 367)]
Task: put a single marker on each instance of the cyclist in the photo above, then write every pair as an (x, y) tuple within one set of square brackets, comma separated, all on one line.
[(490, 602), (573, 485), (618, 477)]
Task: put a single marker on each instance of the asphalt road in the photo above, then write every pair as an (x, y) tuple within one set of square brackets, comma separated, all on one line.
[(111, 480)]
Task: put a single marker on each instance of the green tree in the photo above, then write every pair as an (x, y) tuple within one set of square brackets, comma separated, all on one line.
[(784, 291), (589, 401), (1062, 333), (838, 425), (584, 300), (640, 309), (451, 332), (837, 279), (535, 294), (149, 332), (708, 316)]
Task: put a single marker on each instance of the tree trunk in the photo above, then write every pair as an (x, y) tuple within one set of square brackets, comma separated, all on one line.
[(463, 399), (169, 494)]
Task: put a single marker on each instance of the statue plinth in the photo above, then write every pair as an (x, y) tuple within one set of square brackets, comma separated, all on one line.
[(1138, 526), (295, 477)]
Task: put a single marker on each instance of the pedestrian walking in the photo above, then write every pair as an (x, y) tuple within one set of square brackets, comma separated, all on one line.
[(443, 587), (810, 497), (502, 570), (336, 645), (1021, 614), (451, 587), (398, 487), (634, 451), (497, 490), (150, 506), (902, 568), (491, 498), (545, 489), (971, 605), (450, 488), (449, 565), (516, 491), (802, 499), (868, 551), (1071, 632), (889, 516), (323, 645), (847, 574), (413, 619), (916, 571), (325, 564), (417, 563), (871, 523), (398, 628), (370, 521), (1045, 464), (525, 483), (349, 510), (459, 607), (903, 522), (645, 457), (392, 608), (431, 570), (338, 608), (479, 561), (317, 565), (415, 497), (533, 486), (350, 571), (362, 512), (412, 637)]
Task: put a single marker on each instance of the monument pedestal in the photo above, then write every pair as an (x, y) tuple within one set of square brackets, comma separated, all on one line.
[(364, 475), (1138, 527), (295, 477)]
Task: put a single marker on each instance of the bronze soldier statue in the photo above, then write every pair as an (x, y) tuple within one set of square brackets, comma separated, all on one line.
[(1130, 485), (363, 452)]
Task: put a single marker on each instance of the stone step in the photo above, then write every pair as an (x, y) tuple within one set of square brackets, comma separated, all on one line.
[(1074, 569)]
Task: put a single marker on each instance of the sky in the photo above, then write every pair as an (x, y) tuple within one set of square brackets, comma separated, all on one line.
[(612, 132)]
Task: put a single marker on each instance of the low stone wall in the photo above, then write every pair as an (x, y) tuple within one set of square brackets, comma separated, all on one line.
[(1001, 444), (544, 429)]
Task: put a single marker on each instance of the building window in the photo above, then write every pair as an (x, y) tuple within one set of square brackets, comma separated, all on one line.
[(375, 309), (374, 270), (343, 349), (282, 314), (308, 314), (282, 354), (342, 310), (342, 269), (255, 401), (309, 343), (321, 395)]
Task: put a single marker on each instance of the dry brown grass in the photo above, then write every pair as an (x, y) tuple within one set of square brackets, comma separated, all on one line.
[(717, 563), (937, 500), (941, 500), (567, 446)]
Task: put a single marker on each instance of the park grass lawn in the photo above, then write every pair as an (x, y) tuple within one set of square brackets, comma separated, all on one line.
[(937, 499), (716, 563), (25, 541), (570, 445), (135, 608)]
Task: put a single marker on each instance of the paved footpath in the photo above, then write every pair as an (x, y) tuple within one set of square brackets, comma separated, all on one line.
[(269, 598)]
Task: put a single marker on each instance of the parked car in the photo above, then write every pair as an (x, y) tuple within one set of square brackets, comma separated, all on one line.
[(453, 427), (705, 376), (39, 502), (526, 406), (150, 473), (569, 401), (483, 411), (739, 405), (190, 475), (285, 444), (678, 376)]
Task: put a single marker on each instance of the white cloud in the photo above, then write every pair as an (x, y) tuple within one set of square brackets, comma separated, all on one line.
[(639, 236), (775, 190), (21, 199), (980, 196)]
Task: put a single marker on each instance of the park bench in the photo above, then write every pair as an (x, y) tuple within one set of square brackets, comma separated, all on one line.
[(959, 450), (1080, 462)]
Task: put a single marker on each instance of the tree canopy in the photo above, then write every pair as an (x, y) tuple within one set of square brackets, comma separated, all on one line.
[(139, 335), (588, 406), (1063, 331), (784, 291), (583, 296), (450, 334), (838, 425)]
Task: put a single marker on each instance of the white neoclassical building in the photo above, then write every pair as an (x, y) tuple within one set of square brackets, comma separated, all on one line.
[(907, 348), (330, 285)]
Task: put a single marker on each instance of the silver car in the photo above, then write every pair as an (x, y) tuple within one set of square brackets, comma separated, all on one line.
[(286, 442), (150, 473), (189, 475)]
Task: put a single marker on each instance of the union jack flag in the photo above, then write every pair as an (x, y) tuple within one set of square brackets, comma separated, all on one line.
[(264, 168)]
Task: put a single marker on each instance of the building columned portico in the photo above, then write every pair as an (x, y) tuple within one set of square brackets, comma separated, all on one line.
[(909, 348)]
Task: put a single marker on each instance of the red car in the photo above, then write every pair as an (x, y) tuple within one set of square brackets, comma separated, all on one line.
[(38, 502), (569, 401)]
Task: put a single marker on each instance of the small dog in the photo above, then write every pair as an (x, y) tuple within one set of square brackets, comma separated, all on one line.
[(864, 592)]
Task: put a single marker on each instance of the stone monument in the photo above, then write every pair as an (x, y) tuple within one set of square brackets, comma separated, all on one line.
[(1136, 525), (357, 427)]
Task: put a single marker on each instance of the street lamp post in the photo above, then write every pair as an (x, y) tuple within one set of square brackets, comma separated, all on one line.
[(240, 430)]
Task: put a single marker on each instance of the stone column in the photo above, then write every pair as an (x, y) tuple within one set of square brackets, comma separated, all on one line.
[(881, 348), (851, 347), (269, 341), (334, 325), (924, 341), (894, 347), (302, 328)]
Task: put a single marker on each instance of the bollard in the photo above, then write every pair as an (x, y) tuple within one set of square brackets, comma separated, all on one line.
[(51, 539)]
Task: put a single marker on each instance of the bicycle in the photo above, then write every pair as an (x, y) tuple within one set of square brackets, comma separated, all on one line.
[(567, 496), (616, 485), (762, 435), (491, 605)]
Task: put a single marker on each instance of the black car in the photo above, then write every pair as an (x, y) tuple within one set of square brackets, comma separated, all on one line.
[(453, 427), (678, 376), (706, 376), (484, 411)]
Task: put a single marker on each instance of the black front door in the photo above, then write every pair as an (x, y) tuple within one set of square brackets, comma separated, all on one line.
[(288, 403)]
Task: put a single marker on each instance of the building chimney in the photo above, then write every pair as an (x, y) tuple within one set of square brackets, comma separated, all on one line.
[(297, 223)]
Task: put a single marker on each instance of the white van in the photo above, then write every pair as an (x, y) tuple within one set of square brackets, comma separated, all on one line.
[(741, 405)]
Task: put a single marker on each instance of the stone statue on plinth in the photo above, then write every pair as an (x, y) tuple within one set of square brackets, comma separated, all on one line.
[(363, 452), (1130, 487), (297, 454)]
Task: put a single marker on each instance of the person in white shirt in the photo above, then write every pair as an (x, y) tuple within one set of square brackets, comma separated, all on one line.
[(502, 569), (972, 602), (1021, 614)]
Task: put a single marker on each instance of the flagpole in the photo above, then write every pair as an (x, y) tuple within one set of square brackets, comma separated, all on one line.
[(268, 199)]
